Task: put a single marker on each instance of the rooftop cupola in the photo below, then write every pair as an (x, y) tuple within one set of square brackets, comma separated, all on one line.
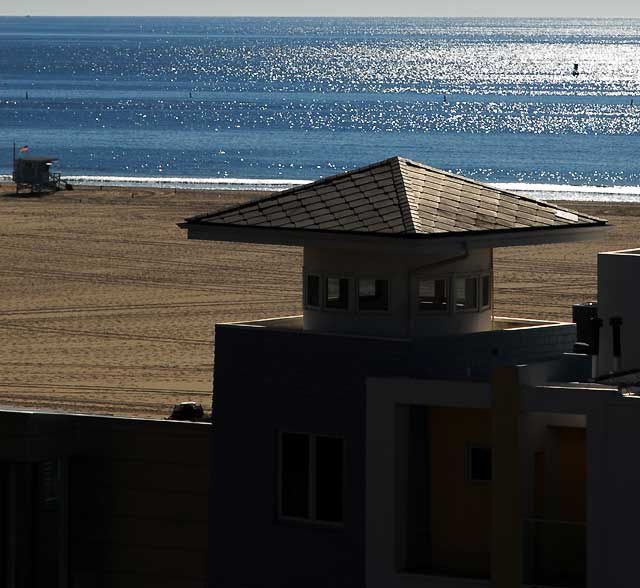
[(397, 248)]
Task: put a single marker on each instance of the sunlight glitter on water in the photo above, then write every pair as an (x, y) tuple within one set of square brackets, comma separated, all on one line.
[(492, 98)]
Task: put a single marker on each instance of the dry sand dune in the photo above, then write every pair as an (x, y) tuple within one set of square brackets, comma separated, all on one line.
[(107, 308)]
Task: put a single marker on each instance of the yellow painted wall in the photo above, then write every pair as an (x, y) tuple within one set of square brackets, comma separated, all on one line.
[(567, 484), (460, 509), (559, 548)]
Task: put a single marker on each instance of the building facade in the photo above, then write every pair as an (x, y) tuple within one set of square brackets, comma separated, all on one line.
[(398, 433)]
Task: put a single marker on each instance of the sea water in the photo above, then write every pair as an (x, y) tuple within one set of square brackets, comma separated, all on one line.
[(271, 102)]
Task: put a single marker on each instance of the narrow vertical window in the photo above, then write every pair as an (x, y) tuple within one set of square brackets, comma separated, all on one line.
[(313, 291), (373, 294), (433, 294), (328, 479), (295, 474), (466, 293), (479, 464), (486, 291), (337, 293)]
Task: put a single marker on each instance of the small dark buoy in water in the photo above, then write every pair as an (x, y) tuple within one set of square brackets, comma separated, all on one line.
[(190, 96), (444, 98), (26, 95), (631, 103), (575, 69)]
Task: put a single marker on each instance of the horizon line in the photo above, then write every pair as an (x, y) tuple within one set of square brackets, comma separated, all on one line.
[(396, 17)]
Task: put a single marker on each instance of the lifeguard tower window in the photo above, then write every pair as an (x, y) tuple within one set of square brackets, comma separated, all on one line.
[(337, 293), (433, 295), (311, 478), (373, 294), (312, 297), (479, 463), (466, 293)]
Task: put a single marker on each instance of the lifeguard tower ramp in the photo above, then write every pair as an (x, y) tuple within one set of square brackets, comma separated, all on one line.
[(34, 173)]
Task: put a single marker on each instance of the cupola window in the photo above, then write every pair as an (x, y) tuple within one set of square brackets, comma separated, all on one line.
[(337, 293), (373, 294), (312, 294), (466, 293), (433, 295), (485, 292)]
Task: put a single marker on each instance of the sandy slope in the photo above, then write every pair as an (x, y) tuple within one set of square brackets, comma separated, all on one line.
[(107, 308)]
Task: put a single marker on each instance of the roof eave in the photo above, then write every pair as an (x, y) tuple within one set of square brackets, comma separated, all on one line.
[(414, 243), (37, 158)]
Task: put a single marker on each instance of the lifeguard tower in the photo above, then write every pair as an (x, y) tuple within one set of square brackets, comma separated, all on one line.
[(33, 173)]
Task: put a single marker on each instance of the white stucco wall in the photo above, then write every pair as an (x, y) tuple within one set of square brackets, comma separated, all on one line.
[(619, 295), (402, 272)]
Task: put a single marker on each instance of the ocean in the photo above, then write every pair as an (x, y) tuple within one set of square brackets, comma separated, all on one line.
[(267, 103)]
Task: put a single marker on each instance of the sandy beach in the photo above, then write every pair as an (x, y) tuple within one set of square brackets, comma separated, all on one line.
[(108, 309)]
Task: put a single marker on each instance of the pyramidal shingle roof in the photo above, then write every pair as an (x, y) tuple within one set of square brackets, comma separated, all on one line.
[(397, 197)]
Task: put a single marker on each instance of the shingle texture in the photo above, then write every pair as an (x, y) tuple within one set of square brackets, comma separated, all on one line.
[(398, 197)]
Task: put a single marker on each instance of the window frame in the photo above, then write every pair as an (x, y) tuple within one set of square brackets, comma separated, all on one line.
[(481, 278), (325, 292), (447, 278), (454, 304), (469, 447), (312, 520), (305, 289), (356, 282)]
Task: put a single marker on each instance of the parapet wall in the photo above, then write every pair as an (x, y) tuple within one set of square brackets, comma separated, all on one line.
[(463, 355), (476, 354)]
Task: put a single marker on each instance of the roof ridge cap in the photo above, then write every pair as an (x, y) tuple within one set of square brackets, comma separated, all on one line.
[(402, 195)]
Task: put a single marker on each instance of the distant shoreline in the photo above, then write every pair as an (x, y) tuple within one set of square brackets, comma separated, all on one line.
[(565, 192)]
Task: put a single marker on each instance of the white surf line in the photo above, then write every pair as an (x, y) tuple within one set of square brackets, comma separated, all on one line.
[(183, 180), (618, 192), (568, 188)]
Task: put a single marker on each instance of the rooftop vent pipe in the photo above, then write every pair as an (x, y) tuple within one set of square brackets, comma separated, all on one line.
[(596, 325), (588, 332)]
